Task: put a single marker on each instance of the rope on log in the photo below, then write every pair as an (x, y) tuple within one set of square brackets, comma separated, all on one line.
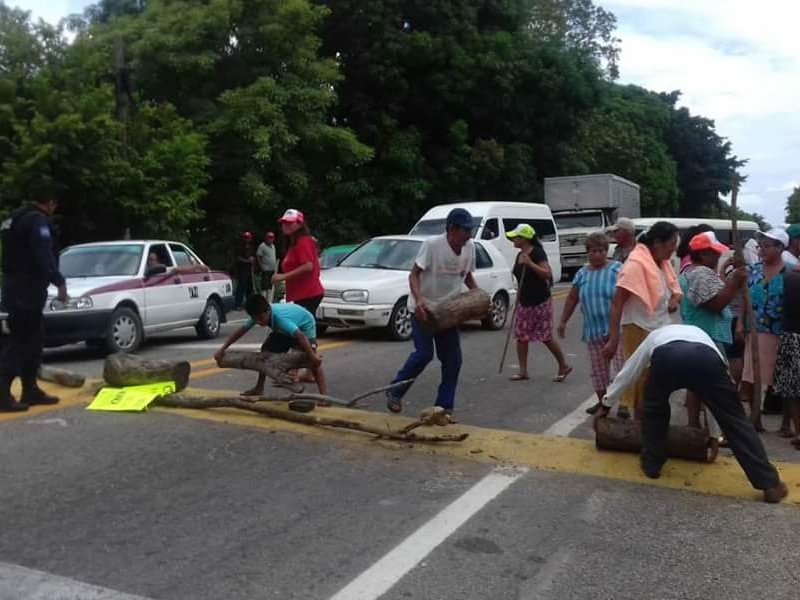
[(181, 401)]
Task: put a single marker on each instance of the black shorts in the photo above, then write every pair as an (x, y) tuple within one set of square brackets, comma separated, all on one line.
[(277, 343), (736, 349), (310, 304), (266, 280)]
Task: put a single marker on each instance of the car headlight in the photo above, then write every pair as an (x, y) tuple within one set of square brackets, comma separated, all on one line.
[(82, 303), (356, 296)]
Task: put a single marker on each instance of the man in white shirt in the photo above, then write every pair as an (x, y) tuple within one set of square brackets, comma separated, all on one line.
[(268, 262), (445, 264), (685, 357)]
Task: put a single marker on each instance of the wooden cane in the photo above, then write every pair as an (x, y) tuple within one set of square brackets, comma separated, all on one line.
[(513, 317), (748, 314)]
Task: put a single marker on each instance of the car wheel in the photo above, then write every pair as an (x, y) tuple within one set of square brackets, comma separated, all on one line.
[(125, 332), (498, 313), (400, 322), (210, 323)]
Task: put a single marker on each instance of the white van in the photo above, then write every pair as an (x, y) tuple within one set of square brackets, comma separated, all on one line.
[(492, 220)]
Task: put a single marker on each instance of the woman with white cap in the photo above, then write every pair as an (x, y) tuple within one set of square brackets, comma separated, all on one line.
[(765, 282)]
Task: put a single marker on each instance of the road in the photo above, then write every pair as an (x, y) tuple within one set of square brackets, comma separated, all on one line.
[(184, 505)]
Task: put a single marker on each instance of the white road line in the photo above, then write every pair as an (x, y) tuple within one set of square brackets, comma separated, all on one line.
[(380, 577), (19, 582), (565, 426)]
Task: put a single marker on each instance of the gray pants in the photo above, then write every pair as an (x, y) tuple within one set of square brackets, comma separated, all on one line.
[(699, 368)]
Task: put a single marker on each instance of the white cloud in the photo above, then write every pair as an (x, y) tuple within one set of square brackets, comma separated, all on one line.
[(737, 62), (51, 10)]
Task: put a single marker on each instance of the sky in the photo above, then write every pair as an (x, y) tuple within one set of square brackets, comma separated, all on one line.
[(736, 62)]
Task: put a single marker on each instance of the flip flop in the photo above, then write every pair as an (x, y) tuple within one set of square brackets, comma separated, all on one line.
[(394, 405), (251, 393), (786, 433), (562, 376), (519, 378)]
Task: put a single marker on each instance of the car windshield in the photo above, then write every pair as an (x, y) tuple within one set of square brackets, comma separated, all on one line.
[(332, 257), (582, 220), (101, 261), (431, 227), (396, 255)]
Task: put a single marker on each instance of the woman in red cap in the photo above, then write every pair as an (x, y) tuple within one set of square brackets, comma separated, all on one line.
[(300, 268)]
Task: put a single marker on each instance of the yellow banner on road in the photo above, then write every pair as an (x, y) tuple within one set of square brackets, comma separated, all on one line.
[(130, 399)]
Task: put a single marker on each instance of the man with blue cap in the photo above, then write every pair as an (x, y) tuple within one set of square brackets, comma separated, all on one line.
[(445, 264)]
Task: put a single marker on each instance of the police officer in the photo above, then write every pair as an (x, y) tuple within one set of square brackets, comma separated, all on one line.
[(30, 264)]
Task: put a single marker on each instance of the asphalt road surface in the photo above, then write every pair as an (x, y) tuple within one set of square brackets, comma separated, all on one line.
[(212, 505)]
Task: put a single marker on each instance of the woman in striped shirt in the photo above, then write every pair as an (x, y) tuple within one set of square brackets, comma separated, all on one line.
[(593, 288)]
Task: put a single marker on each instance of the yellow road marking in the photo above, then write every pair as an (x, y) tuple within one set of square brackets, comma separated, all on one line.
[(217, 371), (562, 455), (69, 397)]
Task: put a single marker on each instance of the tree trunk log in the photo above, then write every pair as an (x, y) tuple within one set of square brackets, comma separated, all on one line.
[(61, 377), (122, 370), (473, 305), (626, 436), (180, 401), (274, 366)]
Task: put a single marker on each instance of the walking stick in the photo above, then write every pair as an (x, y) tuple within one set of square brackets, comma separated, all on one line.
[(748, 314), (513, 317)]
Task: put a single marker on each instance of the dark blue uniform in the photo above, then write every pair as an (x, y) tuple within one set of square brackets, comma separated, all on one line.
[(30, 265)]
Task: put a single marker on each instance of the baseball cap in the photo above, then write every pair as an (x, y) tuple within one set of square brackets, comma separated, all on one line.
[(777, 234), (292, 216), (522, 230), (247, 235), (460, 218), (793, 231), (707, 241), (625, 224)]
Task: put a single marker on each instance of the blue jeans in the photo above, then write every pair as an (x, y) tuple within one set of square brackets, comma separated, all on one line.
[(448, 351)]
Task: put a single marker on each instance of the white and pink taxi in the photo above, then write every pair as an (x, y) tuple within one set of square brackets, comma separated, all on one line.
[(122, 291)]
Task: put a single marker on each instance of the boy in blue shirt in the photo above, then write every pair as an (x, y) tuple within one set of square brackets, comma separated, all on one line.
[(292, 327)]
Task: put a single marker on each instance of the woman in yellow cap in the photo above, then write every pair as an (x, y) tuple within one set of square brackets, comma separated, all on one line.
[(534, 322)]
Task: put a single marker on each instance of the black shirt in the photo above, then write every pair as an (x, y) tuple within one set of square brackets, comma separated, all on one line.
[(791, 302), (534, 290)]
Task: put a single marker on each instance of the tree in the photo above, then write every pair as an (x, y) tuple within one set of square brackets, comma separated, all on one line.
[(793, 207)]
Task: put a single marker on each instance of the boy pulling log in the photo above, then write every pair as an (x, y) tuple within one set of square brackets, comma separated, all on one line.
[(685, 357), (293, 327)]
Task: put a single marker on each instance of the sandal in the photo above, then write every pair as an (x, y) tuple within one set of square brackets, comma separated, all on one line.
[(786, 433), (519, 378), (562, 376), (394, 405), (252, 393)]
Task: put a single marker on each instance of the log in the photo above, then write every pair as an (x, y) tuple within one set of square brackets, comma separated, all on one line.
[(274, 366), (625, 435), (473, 305), (181, 401), (63, 377), (122, 370)]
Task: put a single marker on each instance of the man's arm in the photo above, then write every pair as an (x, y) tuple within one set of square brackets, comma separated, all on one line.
[(634, 366), (416, 293), (235, 337), (41, 242), (470, 281)]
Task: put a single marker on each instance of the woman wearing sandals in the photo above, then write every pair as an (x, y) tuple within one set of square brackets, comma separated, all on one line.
[(787, 367), (534, 321)]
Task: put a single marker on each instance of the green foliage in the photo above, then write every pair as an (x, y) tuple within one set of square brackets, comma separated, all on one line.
[(793, 207)]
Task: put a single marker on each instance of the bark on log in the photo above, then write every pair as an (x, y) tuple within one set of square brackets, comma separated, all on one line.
[(68, 379), (473, 305), (180, 401), (626, 436), (121, 370), (274, 366)]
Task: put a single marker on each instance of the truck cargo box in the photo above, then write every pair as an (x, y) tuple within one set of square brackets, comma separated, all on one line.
[(604, 191)]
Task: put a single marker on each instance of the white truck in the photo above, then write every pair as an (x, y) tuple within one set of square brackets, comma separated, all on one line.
[(585, 204)]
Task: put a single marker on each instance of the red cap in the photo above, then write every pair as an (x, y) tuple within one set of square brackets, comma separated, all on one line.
[(707, 241), (292, 216), (247, 235)]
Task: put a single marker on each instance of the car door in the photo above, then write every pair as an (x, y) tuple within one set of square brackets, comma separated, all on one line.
[(196, 286), (166, 296), (486, 275)]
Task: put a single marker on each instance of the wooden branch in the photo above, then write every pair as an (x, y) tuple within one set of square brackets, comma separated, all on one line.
[(355, 399), (181, 401), (122, 370)]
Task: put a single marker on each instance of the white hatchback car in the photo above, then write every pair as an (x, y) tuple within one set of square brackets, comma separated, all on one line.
[(116, 299), (370, 287)]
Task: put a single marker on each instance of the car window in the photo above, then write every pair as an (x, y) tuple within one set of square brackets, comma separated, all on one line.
[(182, 256), (491, 230), (545, 228), (101, 261), (430, 227), (398, 255), (482, 258), (160, 254)]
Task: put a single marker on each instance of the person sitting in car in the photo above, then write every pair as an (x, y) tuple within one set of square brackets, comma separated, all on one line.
[(156, 266)]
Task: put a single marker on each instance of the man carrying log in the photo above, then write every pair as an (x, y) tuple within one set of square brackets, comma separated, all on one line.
[(445, 263), (685, 357), (292, 327)]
